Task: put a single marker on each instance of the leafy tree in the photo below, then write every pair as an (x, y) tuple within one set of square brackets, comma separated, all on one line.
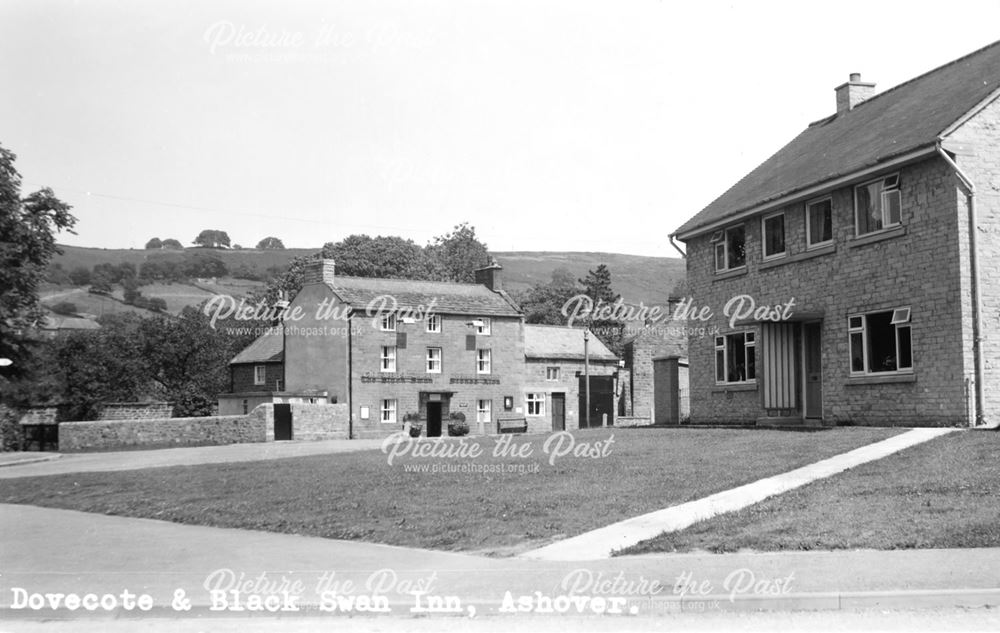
[(204, 265), (237, 247), (157, 304), (65, 307), (543, 303), (212, 238), (172, 244), (382, 256), (154, 243), (28, 226), (271, 243), (80, 276), (131, 290), (100, 282), (597, 286), (455, 256)]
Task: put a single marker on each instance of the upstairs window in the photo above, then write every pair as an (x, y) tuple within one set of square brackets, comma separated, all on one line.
[(736, 358), (388, 323), (877, 205), (259, 374), (388, 358), (433, 360), (434, 323), (551, 373), (482, 326), (880, 342), (819, 223), (483, 361), (730, 248), (773, 228)]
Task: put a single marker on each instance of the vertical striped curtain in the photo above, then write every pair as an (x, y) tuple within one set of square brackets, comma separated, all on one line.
[(777, 367)]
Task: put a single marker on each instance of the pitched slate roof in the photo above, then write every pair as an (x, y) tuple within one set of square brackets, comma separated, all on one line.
[(906, 118), (447, 297), (559, 342), (268, 348)]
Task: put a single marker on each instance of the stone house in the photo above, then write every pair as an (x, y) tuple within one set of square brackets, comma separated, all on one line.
[(854, 275), (397, 350), (257, 376), (655, 356), (554, 377)]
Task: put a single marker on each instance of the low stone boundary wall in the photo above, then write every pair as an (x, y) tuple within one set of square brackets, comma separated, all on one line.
[(628, 421), (309, 421), (104, 435)]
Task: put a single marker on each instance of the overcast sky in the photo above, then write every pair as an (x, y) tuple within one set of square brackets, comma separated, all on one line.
[(584, 126)]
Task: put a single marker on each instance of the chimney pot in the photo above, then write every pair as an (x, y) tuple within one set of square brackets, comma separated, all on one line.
[(489, 276), (850, 94), (319, 271)]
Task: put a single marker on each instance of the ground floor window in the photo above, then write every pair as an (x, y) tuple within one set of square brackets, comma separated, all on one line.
[(880, 342), (389, 411), (736, 358), (483, 410), (536, 403)]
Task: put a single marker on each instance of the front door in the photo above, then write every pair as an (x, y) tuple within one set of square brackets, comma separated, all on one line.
[(282, 421), (813, 366), (558, 412), (433, 419)]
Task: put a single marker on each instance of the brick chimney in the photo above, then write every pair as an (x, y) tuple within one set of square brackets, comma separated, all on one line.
[(318, 271), (852, 93), (489, 276)]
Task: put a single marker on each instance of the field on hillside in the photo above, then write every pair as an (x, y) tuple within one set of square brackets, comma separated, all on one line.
[(86, 303), (649, 280)]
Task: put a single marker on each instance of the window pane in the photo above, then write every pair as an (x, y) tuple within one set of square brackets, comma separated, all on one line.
[(720, 256), (737, 370), (751, 362), (774, 235), (905, 352), (881, 342), (736, 246), (857, 352), (720, 366), (820, 222), (869, 209), (891, 200)]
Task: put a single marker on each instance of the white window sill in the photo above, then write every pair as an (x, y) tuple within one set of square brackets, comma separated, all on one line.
[(729, 274), (882, 378), (722, 387), (878, 236), (816, 251)]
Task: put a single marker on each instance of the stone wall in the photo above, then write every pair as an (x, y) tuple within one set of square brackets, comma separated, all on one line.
[(107, 435), (136, 410), (309, 421)]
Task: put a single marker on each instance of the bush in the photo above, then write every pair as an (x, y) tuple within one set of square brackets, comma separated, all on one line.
[(457, 425), (11, 432), (80, 276), (65, 307)]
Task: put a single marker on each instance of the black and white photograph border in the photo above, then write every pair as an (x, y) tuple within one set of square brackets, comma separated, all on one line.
[(437, 315)]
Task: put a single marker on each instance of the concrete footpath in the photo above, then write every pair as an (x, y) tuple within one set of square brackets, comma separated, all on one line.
[(602, 542), (48, 551), (40, 464)]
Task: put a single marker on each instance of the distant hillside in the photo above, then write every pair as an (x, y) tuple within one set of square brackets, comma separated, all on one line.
[(636, 278)]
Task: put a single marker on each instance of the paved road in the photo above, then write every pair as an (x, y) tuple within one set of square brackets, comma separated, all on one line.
[(133, 460), (46, 550)]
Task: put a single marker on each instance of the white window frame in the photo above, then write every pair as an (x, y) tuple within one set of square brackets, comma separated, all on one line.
[(857, 324), (387, 411), (723, 243), (749, 342), (260, 374), (890, 187), (388, 323), (763, 237), (485, 328), (484, 411), (433, 363), (434, 323), (552, 373), (387, 359), (484, 360), (809, 205), (534, 404)]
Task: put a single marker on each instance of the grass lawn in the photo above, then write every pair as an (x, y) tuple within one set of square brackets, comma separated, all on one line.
[(939, 494), (359, 496)]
